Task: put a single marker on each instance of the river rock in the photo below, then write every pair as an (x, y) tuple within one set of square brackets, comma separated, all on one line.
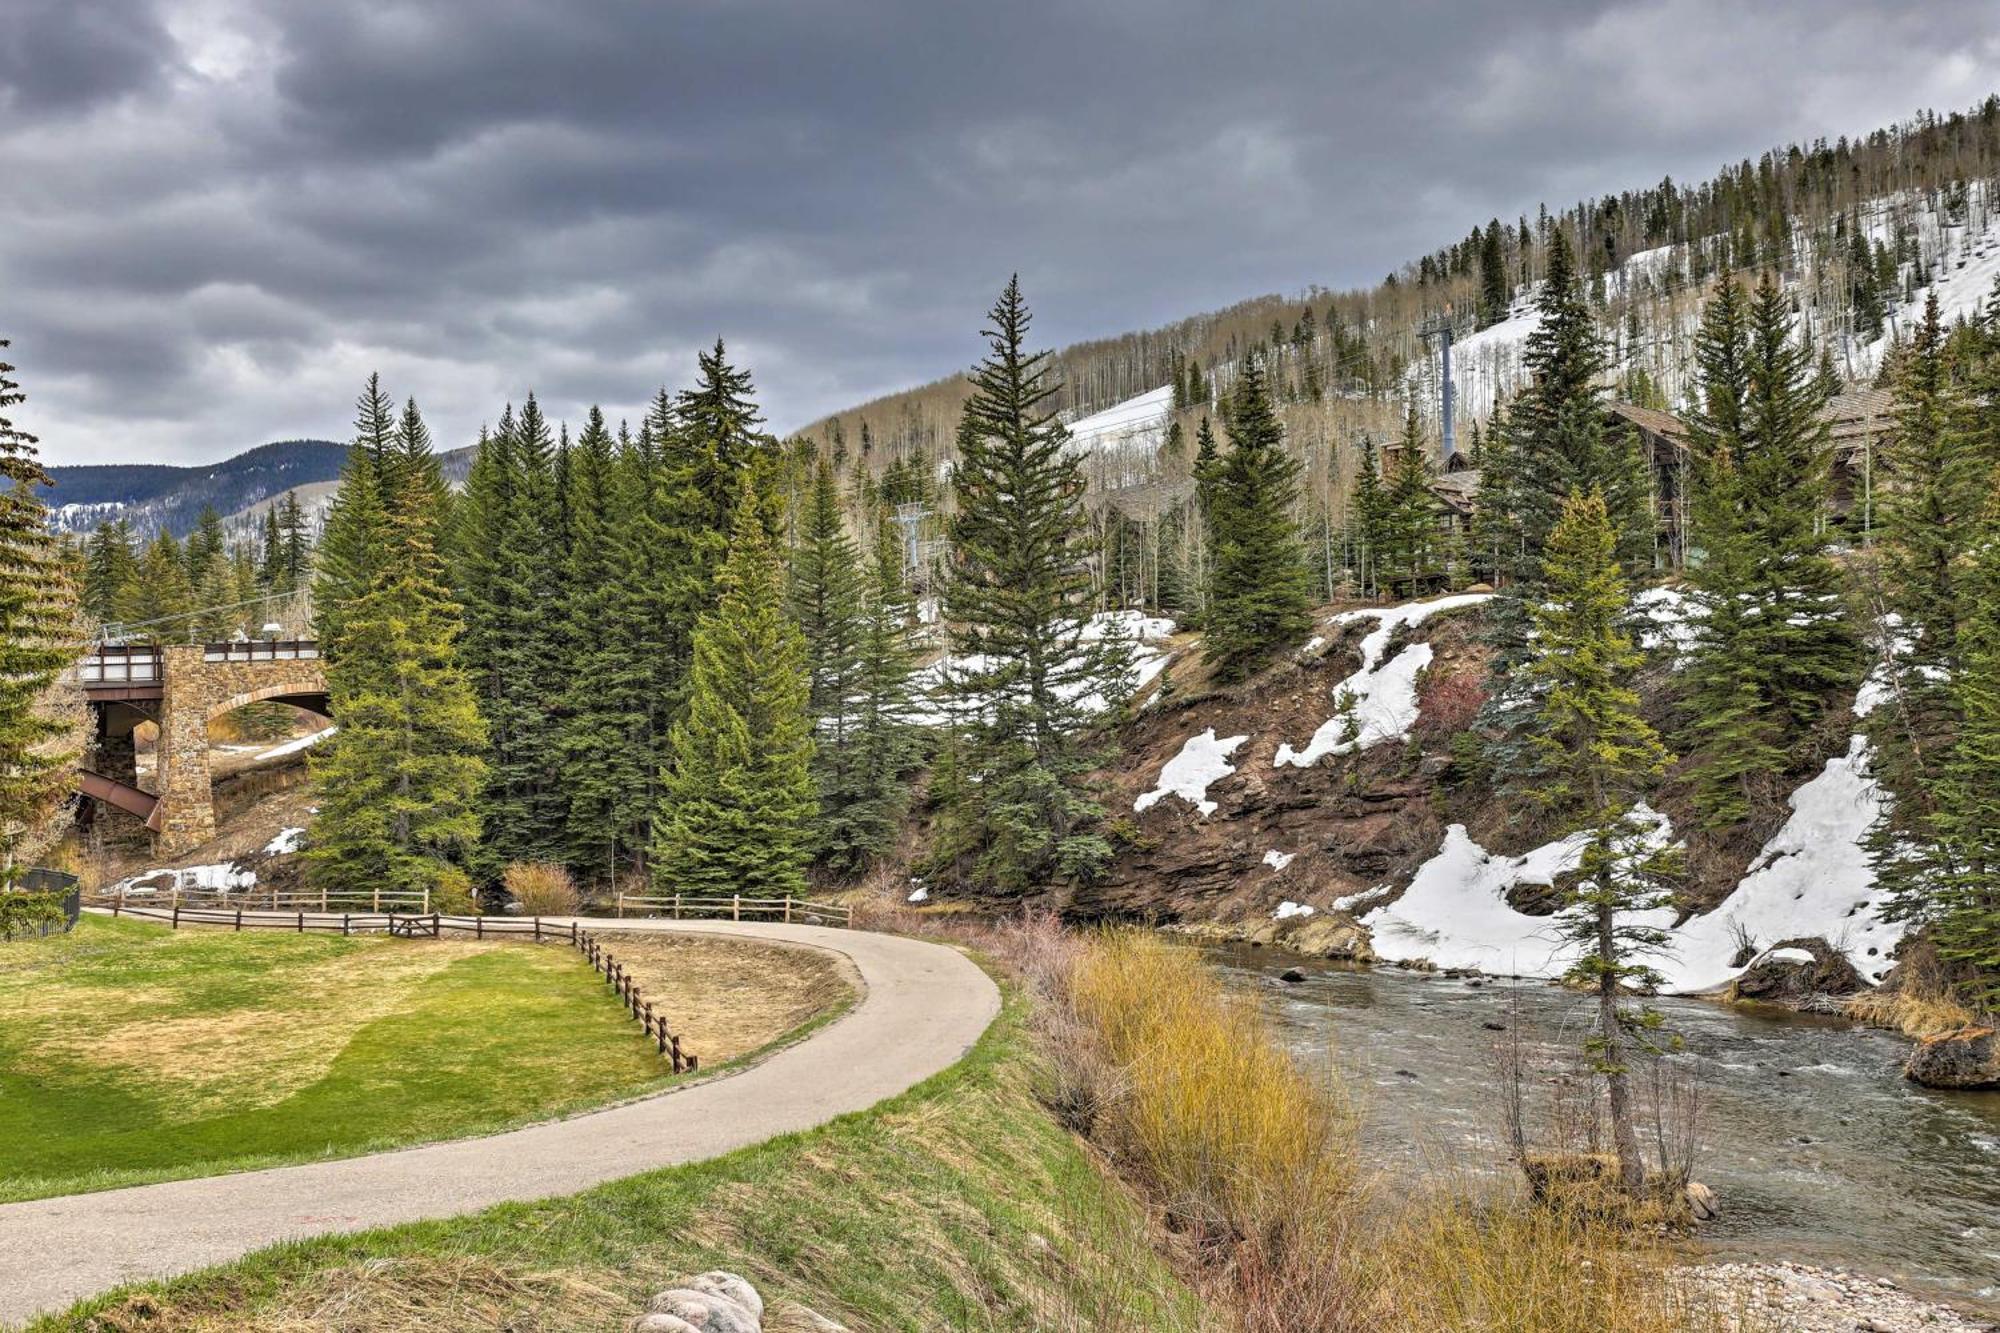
[(1292, 974), (703, 1311), (1966, 1059), (729, 1286), (1701, 1201)]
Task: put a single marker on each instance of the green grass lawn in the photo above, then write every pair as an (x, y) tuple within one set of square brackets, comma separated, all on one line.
[(961, 1204), (133, 1053)]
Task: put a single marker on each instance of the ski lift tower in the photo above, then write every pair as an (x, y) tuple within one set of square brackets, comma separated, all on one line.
[(1438, 328), (910, 517)]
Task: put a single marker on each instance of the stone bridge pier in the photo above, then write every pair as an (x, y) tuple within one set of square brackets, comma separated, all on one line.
[(183, 687)]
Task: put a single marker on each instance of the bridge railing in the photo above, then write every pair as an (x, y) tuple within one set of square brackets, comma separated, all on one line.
[(121, 664), (261, 650)]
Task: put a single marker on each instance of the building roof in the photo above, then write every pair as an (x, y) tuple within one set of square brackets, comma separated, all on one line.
[(1858, 417), (1652, 420)]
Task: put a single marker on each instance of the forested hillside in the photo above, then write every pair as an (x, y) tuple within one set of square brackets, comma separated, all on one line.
[(1855, 231), (153, 497)]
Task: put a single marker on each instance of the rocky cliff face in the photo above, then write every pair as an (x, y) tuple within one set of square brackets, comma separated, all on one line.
[(1315, 836)]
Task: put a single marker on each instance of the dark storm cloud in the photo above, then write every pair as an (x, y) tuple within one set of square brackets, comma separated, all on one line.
[(217, 215)]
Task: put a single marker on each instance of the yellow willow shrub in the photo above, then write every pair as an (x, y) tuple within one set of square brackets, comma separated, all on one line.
[(1235, 1141)]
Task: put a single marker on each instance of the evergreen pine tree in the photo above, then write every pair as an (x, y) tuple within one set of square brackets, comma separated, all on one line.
[(1495, 292), (826, 598), (1599, 755), (1258, 591), (884, 739), (111, 575), (1409, 519), (350, 547), (604, 763), (1963, 901), (165, 596), (298, 543), (737, 795), (511, 576), (1372, 521), (1772, 640), (399, 783), (40, 638), (1024, 671)]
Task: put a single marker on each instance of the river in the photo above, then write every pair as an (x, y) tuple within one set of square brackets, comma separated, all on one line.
[(1820, 1150)]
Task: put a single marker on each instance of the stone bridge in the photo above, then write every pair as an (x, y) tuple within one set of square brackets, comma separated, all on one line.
[(182, 687)]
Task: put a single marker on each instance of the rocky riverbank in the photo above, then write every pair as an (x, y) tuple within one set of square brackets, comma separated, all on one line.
[(1798, 1298)]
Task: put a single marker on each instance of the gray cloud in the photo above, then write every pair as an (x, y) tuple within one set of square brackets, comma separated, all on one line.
[(218, 215)]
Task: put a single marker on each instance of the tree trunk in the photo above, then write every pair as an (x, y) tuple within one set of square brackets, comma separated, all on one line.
[(1624, 1138)]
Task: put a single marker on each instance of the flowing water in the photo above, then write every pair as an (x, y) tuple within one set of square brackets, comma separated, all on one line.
[(1820, 1150)]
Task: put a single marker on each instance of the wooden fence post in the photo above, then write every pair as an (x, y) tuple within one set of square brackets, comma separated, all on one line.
[(677, 907), (538, 930), (735, 907), (343, 923), (377, 905), (177, 916), (302, 923), (239, 918), (572, 933), (788, 909), (322, 897)]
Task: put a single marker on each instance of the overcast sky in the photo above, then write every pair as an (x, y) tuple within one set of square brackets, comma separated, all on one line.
[(217, 216)]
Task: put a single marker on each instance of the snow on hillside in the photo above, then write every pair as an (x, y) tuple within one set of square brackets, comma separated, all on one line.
[(1136, 423), (1201, 761), (1811, 881), (1148, 636), (1379, 702)]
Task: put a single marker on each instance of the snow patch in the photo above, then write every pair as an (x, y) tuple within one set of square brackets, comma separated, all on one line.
[(1670, 618), (222, 877), (1812, 880), (1289, 909), (1790, 956), (1203, 759), (1278, 860), (1378, 702), (294, 746), (1137, 423), (1148, 637), (285, 843)]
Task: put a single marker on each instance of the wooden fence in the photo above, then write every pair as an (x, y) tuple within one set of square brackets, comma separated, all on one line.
[(735, 908), (434, 925), (414, 902)]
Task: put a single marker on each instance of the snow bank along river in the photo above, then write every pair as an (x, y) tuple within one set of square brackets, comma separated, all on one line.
[(1819, 1148)]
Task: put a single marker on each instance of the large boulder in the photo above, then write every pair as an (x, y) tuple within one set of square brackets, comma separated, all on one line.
[(1796, 972), (1968, 1059)]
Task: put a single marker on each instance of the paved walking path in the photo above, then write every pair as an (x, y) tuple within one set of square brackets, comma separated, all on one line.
[(925, 1005)]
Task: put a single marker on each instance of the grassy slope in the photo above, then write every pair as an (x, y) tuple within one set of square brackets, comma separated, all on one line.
[(959, 1205), (130, 1053)]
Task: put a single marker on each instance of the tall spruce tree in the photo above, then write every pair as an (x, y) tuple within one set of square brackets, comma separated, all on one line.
[(1025, 673), (737, 795), (1930, 522), (1258, 596), (1411, 550), (40, 638), (826, 598), (399, 784), (604, 763), (885, 740), (1771, 638), (1558, 444), (350, 547), (1495, 292), (1961, 903), (1600, 756), (511, 578)]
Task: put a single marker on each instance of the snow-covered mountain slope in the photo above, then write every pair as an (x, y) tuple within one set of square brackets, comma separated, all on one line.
[(1137, 423)]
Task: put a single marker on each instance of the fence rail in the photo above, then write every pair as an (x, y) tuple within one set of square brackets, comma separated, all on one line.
[(121, 664), (261, 650), (435, 925), (735, 907), (414, 902)]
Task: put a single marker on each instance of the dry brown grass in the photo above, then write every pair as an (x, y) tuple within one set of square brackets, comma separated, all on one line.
[(729, 997), (542, 888), (416, 1294), (1255, 1163), (1911, 1013)]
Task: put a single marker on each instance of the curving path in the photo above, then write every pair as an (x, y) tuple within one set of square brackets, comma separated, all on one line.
[(923, 1008)]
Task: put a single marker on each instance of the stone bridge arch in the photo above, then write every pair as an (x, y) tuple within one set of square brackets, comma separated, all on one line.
[(189, 685)]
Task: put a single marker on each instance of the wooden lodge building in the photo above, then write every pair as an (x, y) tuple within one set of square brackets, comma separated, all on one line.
[(1858, 424)]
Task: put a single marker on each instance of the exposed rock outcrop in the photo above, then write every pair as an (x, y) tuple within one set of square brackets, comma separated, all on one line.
[(1968, 1060)]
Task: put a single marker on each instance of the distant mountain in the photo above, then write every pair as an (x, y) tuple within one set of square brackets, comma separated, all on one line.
[(152, 496)]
